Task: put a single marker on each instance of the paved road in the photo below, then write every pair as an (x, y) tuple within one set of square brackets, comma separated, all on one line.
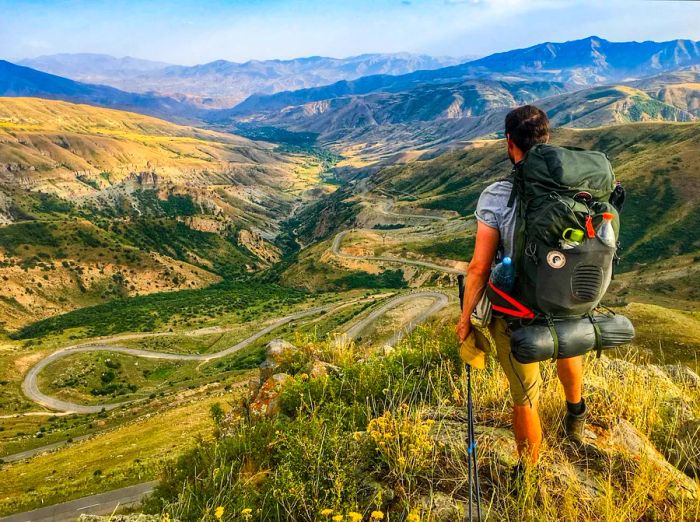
[(335, 249), (41, 449), (31, 389), (101, 504), (30, 385), (440, 301)]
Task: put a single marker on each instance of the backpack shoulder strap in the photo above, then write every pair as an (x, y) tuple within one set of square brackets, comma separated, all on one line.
[(513, 178)]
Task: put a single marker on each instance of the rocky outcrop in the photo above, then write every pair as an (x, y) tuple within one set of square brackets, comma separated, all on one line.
[(277, 351), (681, 374), (263, 398), (266, 402), (318, 369), (281, 357)]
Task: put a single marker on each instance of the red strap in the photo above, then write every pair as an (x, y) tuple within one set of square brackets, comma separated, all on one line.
[(520, 310), (513, 313)]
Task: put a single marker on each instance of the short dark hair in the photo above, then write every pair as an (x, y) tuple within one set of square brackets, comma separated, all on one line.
[(527, 126)]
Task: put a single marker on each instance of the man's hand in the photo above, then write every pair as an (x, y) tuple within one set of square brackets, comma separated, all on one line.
[(463, 328)]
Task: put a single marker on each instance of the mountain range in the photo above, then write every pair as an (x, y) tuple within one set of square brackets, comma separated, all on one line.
[(223, 83), (578, 63), (16, 80), (582, 83)]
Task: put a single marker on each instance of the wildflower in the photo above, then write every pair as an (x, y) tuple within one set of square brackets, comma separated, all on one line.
[(166, 517), (337, 518), (326, 512), (377, 515), (354, 516), (246, 513), (219, 512), (413, 516)]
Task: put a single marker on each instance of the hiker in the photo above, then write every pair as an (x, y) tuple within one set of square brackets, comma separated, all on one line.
[(525, 127)]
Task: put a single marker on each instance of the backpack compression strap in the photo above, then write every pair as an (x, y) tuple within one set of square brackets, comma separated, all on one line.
[(598, 336)]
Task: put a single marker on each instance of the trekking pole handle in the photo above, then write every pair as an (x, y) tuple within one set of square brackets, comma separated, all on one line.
[(460, 286)]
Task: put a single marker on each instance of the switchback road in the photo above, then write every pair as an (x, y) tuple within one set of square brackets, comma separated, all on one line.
[(337, 241)]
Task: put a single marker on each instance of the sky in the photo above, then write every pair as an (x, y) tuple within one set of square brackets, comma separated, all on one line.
[(190, 32)]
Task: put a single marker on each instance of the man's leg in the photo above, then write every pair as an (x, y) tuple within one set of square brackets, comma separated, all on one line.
[(527, 430), (525, 381), (570, 372)]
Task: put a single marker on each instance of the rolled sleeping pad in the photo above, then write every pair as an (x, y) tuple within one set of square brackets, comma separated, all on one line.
[(534, 342)]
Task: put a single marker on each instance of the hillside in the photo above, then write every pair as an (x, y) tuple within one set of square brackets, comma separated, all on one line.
[(394, 433), (680, 89), (657, 163), (99, 204), (386, 127), (16, 80), (222, 83)]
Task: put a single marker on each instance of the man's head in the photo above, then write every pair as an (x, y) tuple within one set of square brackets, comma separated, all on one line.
[(526, 126)]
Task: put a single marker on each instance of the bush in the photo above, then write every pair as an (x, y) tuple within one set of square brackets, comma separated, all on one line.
[(387, 279)]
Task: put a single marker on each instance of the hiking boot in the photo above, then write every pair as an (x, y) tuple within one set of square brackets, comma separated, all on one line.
[(574, 425)]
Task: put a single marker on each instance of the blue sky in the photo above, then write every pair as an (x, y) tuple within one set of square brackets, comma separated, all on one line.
[(190, 32)]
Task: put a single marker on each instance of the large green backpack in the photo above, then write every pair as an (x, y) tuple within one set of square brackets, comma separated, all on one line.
[(557, 189)]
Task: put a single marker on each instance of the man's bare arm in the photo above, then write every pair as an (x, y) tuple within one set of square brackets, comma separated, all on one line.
[(485, 248)]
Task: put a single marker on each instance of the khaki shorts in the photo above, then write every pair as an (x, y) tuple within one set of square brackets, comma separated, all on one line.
[(524, 379)]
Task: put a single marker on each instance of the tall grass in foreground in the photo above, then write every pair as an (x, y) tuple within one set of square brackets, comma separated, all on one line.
[(386, 438)]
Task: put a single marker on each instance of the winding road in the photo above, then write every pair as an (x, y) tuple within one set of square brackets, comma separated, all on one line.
[(107, 502), (30, 385), (338, 239), (440, 301), (31, 389)]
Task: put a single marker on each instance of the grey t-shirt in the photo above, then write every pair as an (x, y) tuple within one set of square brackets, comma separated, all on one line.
[(492, 210)]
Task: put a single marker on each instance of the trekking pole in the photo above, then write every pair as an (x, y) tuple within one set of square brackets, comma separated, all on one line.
[(473, 470)]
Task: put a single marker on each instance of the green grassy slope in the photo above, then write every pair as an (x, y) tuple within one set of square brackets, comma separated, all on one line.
[(657, 163), (98, 203)]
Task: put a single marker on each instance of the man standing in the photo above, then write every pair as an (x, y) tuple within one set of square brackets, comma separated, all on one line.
[(525, 127)]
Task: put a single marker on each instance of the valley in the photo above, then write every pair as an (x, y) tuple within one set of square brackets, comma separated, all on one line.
[(90, 196), (155, 239)]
